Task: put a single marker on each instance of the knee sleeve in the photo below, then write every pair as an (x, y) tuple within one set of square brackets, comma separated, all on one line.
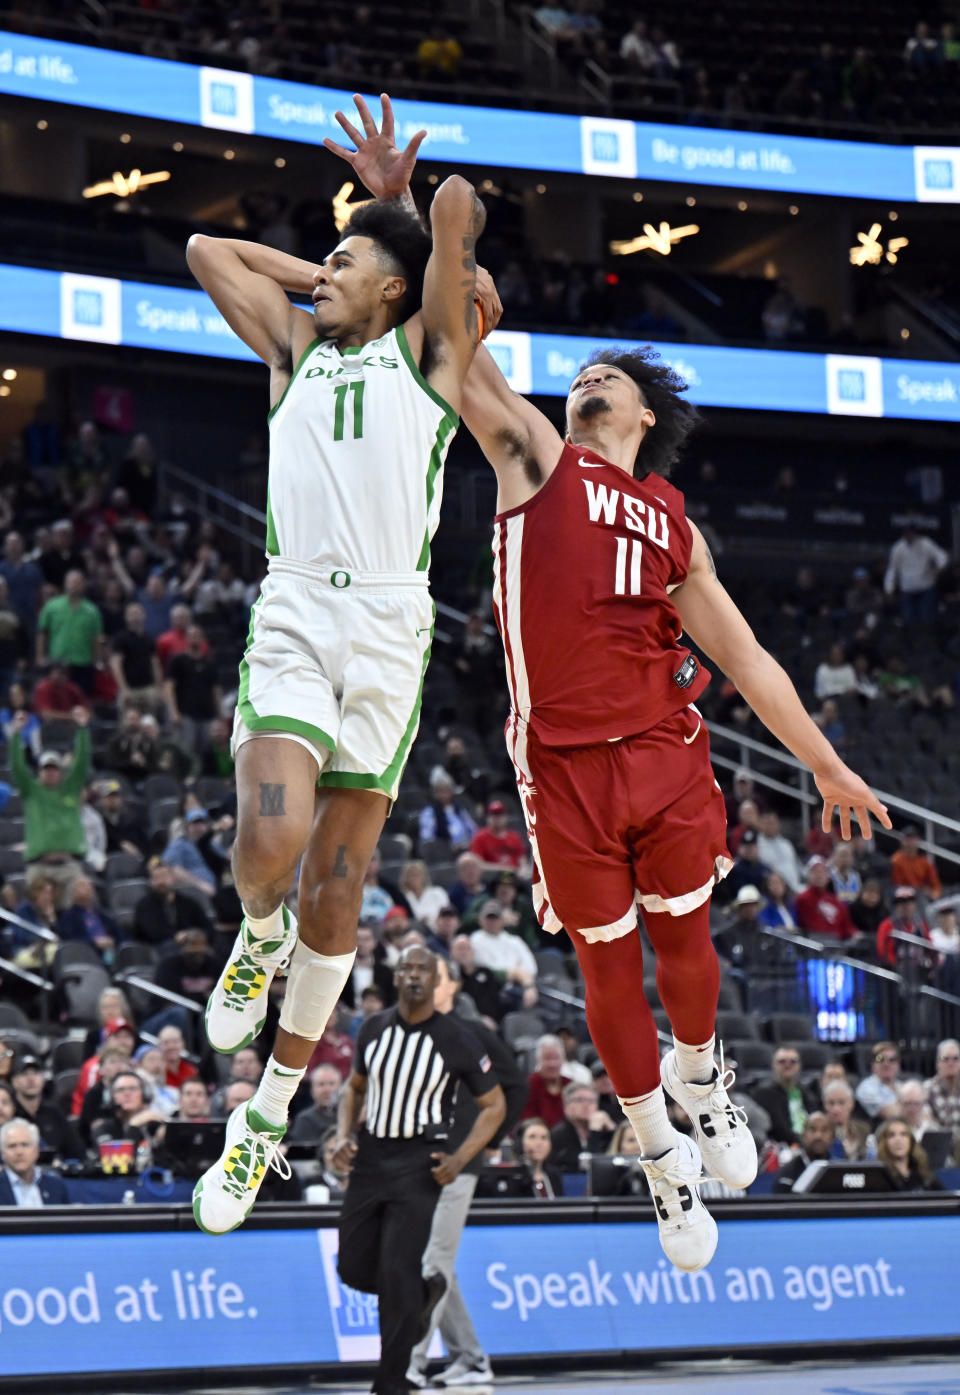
[(314, 983)]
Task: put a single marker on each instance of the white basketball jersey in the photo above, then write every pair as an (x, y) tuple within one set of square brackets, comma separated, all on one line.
[(357, 446)]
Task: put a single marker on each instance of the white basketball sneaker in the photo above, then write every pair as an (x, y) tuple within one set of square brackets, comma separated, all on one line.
[(237, 1007), (725, 1141), (225, 1193), (688, 1232)]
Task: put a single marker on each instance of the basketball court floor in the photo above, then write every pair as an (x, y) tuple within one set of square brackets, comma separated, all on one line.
[(894, 1376)]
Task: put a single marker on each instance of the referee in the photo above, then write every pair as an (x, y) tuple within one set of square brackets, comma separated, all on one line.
[(410, 1062)]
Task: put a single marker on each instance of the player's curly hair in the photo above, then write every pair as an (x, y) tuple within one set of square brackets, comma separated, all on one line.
[(402, 244), (660, 388)]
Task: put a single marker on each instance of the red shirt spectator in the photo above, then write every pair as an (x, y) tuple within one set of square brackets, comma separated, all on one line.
[(899, 953), (174, 641), (333, 1049), (495, 843), (911, 867), (819, 844), (817, 909), (178, 1068), (57, 696), (542, 1102)]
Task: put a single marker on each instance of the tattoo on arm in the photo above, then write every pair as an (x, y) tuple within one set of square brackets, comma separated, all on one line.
[(272, 800), (477, 219), (710, 562), (340, 868)]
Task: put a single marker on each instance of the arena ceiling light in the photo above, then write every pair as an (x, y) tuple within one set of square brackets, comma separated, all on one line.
[(343, 208), (123, 186), (870, 251), (661, 239)]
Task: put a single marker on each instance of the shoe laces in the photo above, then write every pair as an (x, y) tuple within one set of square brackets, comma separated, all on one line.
[(262, 1154), (719, 1101)]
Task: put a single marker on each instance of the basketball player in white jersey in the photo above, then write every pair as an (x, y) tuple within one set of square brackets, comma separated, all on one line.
[(365, 397)]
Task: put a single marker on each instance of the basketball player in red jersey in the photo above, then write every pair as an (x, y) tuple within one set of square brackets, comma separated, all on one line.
[(598, 573)]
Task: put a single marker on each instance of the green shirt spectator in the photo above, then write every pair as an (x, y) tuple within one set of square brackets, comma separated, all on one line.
[(70, 626), (52, 804)]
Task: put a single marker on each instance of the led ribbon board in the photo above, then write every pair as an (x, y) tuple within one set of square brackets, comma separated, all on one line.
[(462, 135), (101, 310)]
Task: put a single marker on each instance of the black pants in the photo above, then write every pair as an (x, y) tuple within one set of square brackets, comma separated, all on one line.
[(384, 1228)]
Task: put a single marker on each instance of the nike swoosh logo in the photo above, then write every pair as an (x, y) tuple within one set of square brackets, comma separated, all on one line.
[(687, 739), (592, 464)]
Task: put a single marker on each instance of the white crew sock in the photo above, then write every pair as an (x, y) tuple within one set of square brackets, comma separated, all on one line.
[(271, 927), (648, 1115), (695, 1063), (277, 1087)]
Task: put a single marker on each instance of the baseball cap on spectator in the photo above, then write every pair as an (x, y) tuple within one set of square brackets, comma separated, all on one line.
[(815, 861), (748, 896), (447, 910), (905, 893), (395, 913), (110, 787), (742, 773), (49, 758), (27, 1062), (490, 909), (748, 837), (505, 878), (496, 806), (195, 815), (115, 1025)]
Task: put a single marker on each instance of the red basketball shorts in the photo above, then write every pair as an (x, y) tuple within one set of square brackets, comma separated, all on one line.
[(640, 820)]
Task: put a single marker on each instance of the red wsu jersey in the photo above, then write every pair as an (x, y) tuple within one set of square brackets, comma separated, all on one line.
[(582, 575)]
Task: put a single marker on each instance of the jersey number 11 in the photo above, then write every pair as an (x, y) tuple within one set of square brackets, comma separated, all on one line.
[(626, 580), (339, 411)]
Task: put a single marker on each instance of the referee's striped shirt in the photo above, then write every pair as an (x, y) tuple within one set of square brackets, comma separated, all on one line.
[(414, 1070)]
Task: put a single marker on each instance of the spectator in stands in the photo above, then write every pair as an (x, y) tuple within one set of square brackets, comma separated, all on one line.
[(149, 1061), (39, 908), (194, 1101), (869, 909), (439, 55), (496, 845), (863, 597), (310, 1125), (70, 631), (553, 19), (816, 1141), (217, 760), (748, 816), (113, 1004), (784, 1097), (112, 1059), (906, 1162), (942, 1091), (843, 874), (547, 1082), (948, 49), (920, 52), (835, 677), (56, 1131), (118, 1037), (546, 1182), (877, 1092), (907, 689), (445, 820), (132, 750), (82, 919), (497, 949), (191, 970), (777, 852), (426, 900), (163, 911), (862, 85), (849, 1134), (480, 984), (518, 913), (945, 937), (56, 698), (915, 563), (17, 720), (6, 1065), (24, 581), (184, 857), (818, 910), (747, 870), (369, 969), (396, 925), (124, 834), (636, 50), (137, 474), (129, 1115), (379, 894), (445, 931), (469, 884), (909, 866), (53, 826), (914, 1108), (334, 1048), (134, 661), (13, 639), (911, 958), (177, 1067), (372, 999), (776, 913), (60, 555), (22, 1182), (192, 692), (585, 1127), (173, 641), (736, 941)]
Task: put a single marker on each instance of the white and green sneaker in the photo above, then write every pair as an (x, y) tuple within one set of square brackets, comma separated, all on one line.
[(237, 1007), (225, 1193)]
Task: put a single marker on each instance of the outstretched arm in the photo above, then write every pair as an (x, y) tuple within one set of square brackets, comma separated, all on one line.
[(713, 621), (377, 162)]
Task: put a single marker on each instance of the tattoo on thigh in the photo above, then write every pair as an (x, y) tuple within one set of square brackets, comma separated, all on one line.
[(340, 861), (272, 800)]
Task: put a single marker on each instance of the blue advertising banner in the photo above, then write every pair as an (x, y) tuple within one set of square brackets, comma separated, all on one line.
[(229, 101), (103, 310), (135, 1301)]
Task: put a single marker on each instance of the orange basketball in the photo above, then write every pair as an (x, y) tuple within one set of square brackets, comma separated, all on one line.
[(480, 323)]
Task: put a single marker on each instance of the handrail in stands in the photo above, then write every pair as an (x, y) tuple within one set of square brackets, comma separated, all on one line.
[(8, 966), (131, 977), (40, 931)]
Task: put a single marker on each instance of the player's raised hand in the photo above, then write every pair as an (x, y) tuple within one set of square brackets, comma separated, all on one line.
[(844, 791), (377, 162)]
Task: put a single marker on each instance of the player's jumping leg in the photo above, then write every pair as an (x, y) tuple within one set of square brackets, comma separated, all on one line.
[(625, 1034), (346, 830), (688, 980)]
